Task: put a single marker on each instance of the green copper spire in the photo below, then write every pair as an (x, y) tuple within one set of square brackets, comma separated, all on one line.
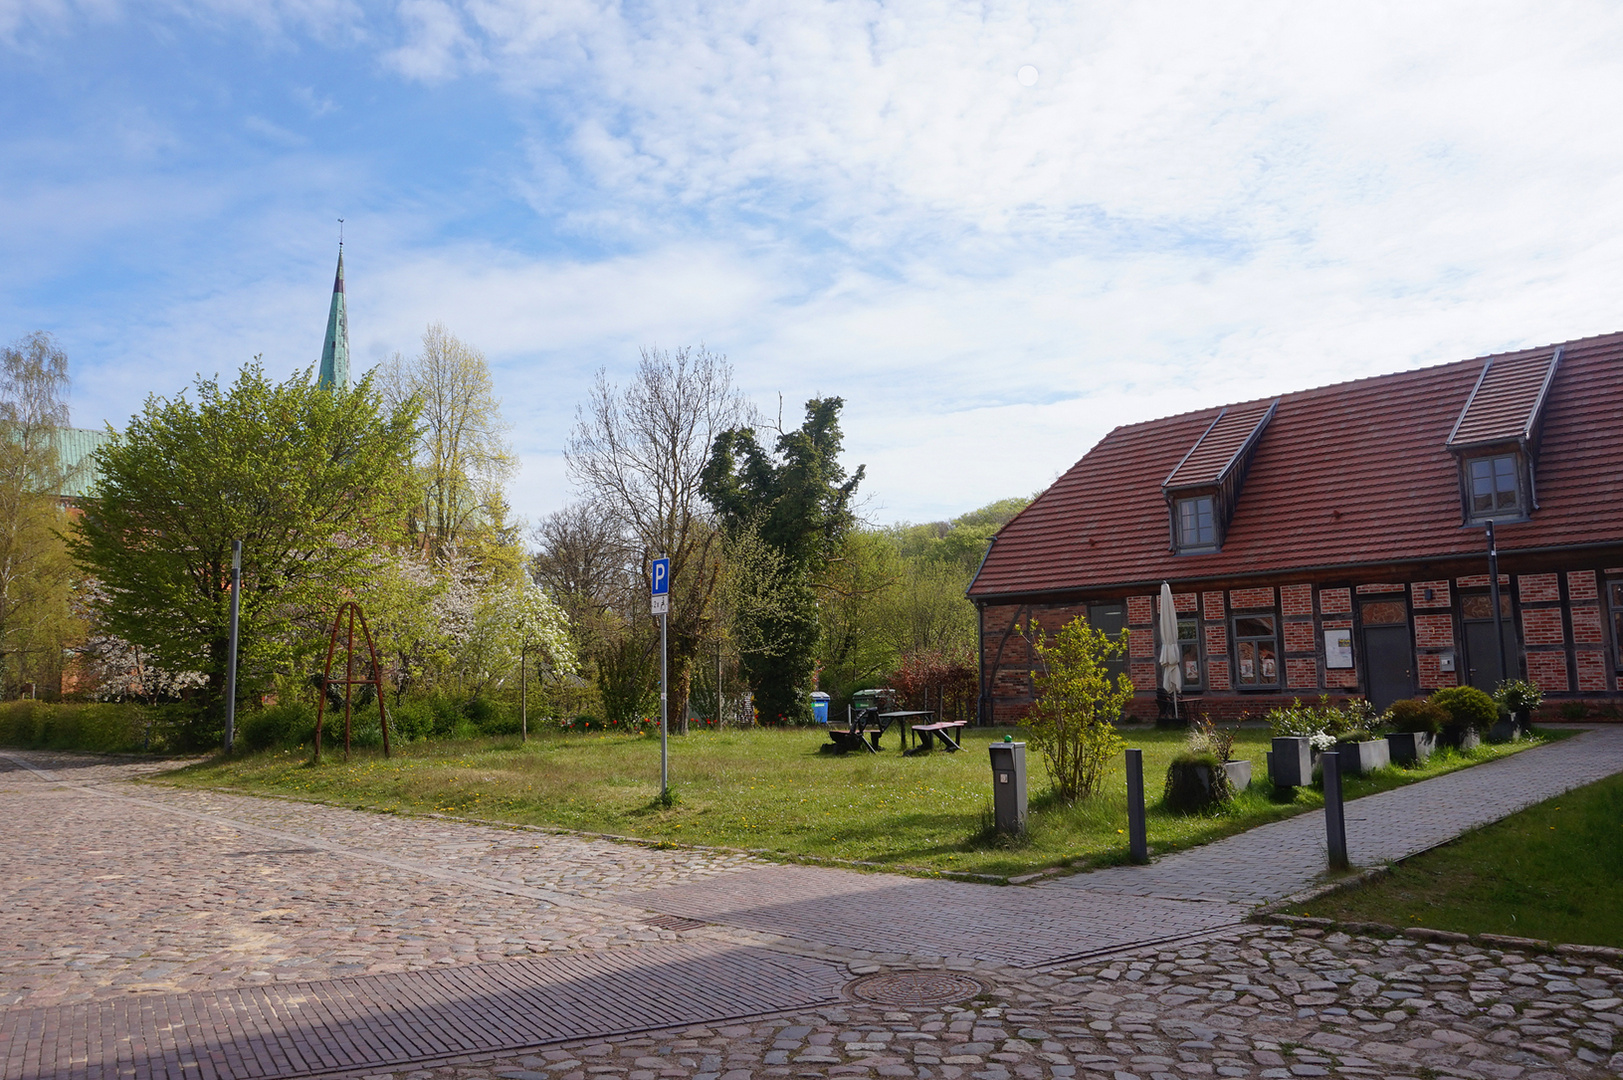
[(335, 353)]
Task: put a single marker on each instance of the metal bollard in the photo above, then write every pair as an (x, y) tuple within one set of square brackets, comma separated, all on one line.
[(1335, 818), (1138, 843)]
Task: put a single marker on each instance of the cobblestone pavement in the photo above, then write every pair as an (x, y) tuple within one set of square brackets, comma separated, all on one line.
[(1254, 1002), (113, 888)]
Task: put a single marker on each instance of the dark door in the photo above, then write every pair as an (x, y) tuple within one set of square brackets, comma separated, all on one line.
[(1111, 619), (1481, 656), (1388, 651)]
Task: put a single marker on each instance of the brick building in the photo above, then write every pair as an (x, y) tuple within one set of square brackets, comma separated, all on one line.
[(1333, 540)]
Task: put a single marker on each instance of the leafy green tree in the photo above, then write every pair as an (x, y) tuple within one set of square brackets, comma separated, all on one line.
[(312, 480), (36, 574), (797, 500), (1072, 723)]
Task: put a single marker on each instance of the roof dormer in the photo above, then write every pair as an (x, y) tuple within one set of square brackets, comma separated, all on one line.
[(1203, 488), (1496, 437)]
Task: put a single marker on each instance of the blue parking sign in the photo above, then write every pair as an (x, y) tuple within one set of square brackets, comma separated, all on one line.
[(660, 577)]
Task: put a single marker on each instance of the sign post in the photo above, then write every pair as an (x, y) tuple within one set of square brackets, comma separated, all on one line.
[(659, 583)]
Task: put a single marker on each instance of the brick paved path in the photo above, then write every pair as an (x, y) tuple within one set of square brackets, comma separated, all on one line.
[(189, 898)]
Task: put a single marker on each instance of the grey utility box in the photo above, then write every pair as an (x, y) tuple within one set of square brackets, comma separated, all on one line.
[(1009, 786)]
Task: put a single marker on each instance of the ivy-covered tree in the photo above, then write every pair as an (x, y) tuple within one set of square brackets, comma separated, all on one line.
[(313, 480), (796, 501)]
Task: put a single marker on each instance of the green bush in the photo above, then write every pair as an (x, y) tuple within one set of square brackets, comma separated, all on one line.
[(411, 720), (106, 726), (1417, 715), (287, 723), (1518, 695), (1467, 707), (492, 717)]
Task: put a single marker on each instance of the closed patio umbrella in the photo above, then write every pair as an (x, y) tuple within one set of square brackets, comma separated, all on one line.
[(1171, 655)]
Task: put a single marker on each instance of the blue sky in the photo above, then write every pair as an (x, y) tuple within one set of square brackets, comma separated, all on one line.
[(1188, 204)]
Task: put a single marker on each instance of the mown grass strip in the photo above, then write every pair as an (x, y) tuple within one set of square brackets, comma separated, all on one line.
[(1553, 872), (776, 791)]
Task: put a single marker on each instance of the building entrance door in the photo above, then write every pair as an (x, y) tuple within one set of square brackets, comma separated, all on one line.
[(1388, 651), (1111, 619), (1481, 655)]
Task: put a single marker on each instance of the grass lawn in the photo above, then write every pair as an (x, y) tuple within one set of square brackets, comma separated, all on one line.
[(1553, 872), (773, 790)]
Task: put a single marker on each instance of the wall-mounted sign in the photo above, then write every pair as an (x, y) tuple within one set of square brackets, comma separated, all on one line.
[(1338, 649)]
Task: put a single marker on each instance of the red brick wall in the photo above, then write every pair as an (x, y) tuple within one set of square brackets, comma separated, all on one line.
[(1299, 637), (1141, 643), (1542, 626), (1480, 581), (1212, 603), (1186, 603), (1296, 599), (1538, 588), (1587, 627), (1302, 672), (1581, 585), (1217, 639), (1434, 631), (1377, 587), (1335, 601), (1591, 671), (1431, 673), (1140, 610), (1249, 599), (1439, 594), (1549, 670)]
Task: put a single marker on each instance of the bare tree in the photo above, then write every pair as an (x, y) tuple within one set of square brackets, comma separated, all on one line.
[(639, 453), (35, 571), (583, 560), (462, 452)]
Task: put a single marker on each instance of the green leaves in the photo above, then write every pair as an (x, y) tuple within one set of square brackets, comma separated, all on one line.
[(1072, 723), (312, 480)]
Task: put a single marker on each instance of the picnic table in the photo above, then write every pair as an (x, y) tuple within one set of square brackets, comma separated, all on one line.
[(925, 734), (865, 731)]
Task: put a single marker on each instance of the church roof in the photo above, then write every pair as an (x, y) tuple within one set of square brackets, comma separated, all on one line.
[(335, 349)]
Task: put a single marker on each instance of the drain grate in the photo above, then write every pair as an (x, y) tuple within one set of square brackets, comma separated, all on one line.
[(915, 988), (675, 922)]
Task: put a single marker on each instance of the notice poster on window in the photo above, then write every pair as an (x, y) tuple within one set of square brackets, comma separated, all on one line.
[(1268, 672), (1338, 649)]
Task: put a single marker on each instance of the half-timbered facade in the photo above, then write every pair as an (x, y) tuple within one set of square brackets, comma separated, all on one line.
[(1333, 541)]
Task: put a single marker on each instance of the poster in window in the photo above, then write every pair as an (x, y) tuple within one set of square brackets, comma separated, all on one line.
[(1268, 669), (1338, 649), (1191, 671)]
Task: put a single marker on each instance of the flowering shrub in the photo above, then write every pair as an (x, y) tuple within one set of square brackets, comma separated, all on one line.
[(1324, 725)]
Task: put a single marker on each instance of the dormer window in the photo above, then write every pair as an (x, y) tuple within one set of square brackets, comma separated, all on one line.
[(1203, 488), (1497, 434), (1495, 486), (1197, 525)]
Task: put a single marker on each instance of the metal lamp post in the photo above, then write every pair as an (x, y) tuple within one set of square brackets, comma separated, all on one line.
[(231, 661)]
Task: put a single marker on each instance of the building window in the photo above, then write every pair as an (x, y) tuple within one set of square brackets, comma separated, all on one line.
[(1197, 525), (1615, 590), (1256, 651), (1495, 486), (1189, 650)]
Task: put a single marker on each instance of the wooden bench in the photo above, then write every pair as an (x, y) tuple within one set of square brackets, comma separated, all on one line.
[(945, 730)]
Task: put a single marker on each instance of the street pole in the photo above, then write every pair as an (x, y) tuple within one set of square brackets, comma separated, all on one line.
[(718, 682), (523, 699), (1493, 598), (664, 718), (231, 668)]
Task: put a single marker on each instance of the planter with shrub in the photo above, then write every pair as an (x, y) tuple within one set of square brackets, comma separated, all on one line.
[(1203, 777), (1470, 713), (1416, 724), (1516, 699)]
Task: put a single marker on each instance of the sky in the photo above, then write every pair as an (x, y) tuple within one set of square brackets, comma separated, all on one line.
[(996, 230)]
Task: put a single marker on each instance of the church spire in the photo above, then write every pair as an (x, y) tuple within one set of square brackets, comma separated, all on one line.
[(335, 353)]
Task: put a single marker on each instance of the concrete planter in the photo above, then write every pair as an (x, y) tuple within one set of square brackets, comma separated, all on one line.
[(1404, 747), (1363, 757), (1291, 762), (1509, 729), (1462, 738), (1239, 774)]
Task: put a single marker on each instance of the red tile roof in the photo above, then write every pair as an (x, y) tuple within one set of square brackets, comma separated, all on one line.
[(1504, 406), (1219, 446), (1356, 473)]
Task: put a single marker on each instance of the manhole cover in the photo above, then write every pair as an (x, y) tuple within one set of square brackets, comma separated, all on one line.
[(915, 988), (675, 922)]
